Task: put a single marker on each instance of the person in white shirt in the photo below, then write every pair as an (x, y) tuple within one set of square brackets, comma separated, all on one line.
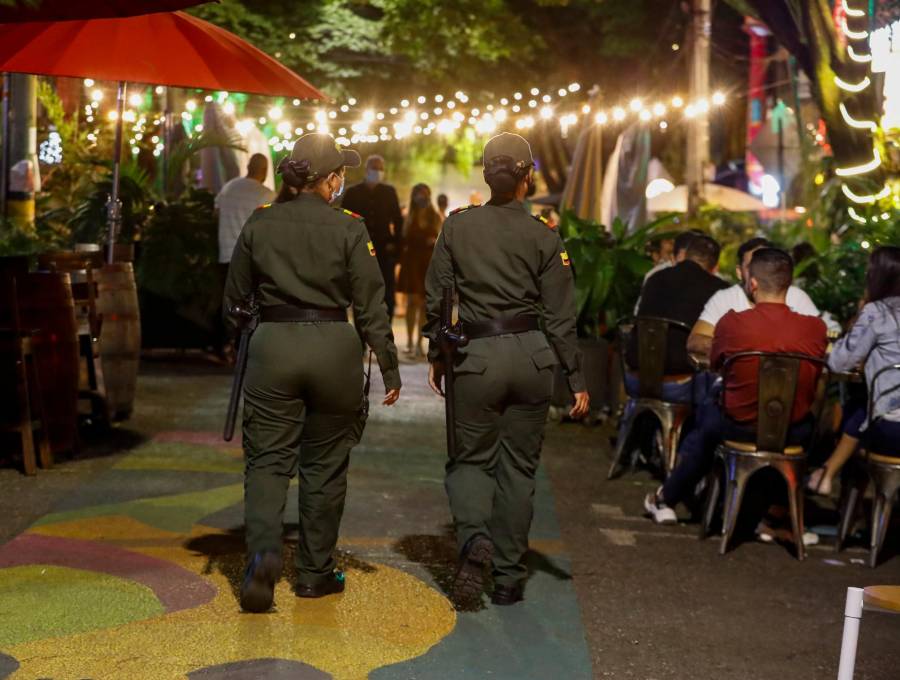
[(237, 200), (734, 298)]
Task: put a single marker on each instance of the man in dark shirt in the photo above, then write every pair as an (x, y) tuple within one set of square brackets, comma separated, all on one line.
[(769, 326), (679, 293), (378, 205)]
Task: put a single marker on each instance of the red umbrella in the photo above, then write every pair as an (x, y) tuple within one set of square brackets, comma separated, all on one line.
[(67, 10), (166, 48)]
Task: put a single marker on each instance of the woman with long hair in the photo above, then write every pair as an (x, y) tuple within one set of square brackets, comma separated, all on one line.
[(874, 342), (423, 224)]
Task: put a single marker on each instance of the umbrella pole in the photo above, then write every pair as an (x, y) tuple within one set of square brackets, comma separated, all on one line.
[(4, 154), (114, 207)]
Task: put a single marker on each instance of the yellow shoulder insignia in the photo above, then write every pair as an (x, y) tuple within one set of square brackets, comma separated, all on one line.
[(461, 209), (371, 247), (543, 220), (264, 205), (351, 213), (564, 256)]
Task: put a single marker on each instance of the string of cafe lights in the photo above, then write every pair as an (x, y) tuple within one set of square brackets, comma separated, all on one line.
[(438, 114), (871, 126)]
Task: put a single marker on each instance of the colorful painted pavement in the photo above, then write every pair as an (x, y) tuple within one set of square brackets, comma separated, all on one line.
[(135, 574)]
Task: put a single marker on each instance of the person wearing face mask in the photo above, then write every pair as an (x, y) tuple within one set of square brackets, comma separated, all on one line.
[(305, 262), (423, 224), (379, 206), (517, 309)]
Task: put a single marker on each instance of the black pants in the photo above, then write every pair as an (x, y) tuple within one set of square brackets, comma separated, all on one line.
[(388, 263)]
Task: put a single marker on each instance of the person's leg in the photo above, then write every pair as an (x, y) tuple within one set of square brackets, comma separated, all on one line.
[(387, 265), (411, 312), (882, 437), (420, 322), (695, 455), (821, 480), (333, 388)]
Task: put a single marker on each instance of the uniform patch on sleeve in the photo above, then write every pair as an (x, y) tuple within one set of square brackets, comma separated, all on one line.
[(543, 220), (351, 213), (264, 205), (371, 247), (465, 207), (564, 256)]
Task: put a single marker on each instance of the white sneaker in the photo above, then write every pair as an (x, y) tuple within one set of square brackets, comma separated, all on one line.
[(658, 510)]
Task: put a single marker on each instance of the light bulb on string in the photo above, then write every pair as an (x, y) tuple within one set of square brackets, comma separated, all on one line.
[(851, 34), (862, 169), (718, 99), (618, 114), (852, 87), (857, 57)]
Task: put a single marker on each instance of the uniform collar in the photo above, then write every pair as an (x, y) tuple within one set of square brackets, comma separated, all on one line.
[(311, 198), (512, 205)]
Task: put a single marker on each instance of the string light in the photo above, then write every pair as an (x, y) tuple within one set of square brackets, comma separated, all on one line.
[(853, 35), (858, 58), (855, 123), (855, 170), (852, 87), (868, 199), (855, 216)]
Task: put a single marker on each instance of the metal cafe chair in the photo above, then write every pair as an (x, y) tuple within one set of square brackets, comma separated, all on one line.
[(873, 598), (884, 472), (777, 387), (652, 339)]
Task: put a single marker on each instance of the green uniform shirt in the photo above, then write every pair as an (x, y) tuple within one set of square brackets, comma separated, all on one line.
[(505, 263), (306, 252)]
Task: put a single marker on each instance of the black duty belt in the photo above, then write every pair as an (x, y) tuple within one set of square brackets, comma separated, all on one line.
[(293, 314), (487, 329)]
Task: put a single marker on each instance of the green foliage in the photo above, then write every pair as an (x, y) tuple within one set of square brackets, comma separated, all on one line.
[(31, 239), (89, 220), (179, 254), (181, 153), (609, 268)]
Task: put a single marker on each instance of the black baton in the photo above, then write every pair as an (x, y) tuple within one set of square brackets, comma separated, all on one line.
[(450, 337), (248, 317)]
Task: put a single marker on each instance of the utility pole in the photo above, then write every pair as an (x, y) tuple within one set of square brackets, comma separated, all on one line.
[(698, 129)]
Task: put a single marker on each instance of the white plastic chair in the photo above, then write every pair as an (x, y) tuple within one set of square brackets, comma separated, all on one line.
[(874, 598)]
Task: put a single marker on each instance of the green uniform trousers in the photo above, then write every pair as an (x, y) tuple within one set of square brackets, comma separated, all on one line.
[(503, 388), (302, 398)]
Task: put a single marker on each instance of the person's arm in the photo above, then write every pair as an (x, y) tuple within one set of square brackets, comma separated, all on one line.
[(700, 340), (240, 282), (396, 218), (369, 310), (438, 277), (801, 303), (852, 350)]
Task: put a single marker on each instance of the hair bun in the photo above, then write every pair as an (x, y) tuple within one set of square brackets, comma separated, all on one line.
[(294, 173)]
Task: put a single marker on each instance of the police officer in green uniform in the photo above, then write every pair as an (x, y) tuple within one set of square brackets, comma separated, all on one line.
[(517, 308), (306, 263)]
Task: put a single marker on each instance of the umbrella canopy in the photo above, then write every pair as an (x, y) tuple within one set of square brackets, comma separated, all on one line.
[(166, 48), (676, 200), (66, 10)]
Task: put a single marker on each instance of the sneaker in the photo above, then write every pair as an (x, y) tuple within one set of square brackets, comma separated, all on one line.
[(767, 534), (258, 589), (504, 596), (658, 510)]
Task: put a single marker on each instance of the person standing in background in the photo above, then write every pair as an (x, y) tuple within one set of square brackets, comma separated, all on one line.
[(423, 224), (235, 202), (379, 206), (443, 202)]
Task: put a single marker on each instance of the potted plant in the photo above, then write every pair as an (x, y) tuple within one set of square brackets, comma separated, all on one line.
[(609, 267)]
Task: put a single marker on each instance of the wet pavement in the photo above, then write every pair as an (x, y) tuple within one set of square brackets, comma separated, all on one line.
[(124, 563)]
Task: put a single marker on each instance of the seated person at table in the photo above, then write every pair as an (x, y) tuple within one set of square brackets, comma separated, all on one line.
[(678, 253), (874, 341), (735, 299), (678, 293), (769, 326)]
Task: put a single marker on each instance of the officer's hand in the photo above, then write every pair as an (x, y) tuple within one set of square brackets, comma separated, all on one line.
[(391, 397), (581, 407), (436, 377)]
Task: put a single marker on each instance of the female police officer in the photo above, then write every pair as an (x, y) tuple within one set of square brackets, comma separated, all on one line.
[(305, 262), (516, 292)]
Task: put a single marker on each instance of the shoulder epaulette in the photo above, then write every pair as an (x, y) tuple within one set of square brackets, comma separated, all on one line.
[(466, 207), (264, 205), (350, 212), (543, 220)]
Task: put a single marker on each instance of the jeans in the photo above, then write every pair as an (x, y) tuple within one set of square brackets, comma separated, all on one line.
[(696, 391), (881, 436), (698, 448)]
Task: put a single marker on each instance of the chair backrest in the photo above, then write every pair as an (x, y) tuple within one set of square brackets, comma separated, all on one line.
[(84, 292), (652, 338), (873, 389), (777, 377)]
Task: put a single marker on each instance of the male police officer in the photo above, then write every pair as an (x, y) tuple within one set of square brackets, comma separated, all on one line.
[(510, 270)]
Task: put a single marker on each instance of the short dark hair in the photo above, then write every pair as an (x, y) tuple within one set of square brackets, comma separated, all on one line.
[(752, 244), (773, 269), (258, 163), (883, 276), (442, 200), (704, 250), (683, 240)]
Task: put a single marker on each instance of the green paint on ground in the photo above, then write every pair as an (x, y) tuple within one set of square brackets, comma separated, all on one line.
[(37, 602), (182, 457), (176, 513)]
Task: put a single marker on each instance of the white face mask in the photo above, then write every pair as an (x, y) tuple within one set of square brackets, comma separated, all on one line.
[(338, 192), (374, 176)]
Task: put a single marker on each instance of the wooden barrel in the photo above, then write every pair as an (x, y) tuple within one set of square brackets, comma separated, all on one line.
[(45, 304), (120, 336)]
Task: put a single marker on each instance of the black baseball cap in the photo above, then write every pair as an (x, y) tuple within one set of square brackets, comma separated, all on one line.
[(511, 146), (322, 154)]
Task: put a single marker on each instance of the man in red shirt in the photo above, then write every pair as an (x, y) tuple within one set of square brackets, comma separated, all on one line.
[(770, 326)]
